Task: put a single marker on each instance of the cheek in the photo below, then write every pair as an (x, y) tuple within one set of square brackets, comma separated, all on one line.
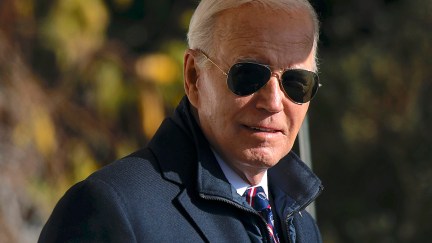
[(209, 101), (296, 116), (208, 90), (215, 100)]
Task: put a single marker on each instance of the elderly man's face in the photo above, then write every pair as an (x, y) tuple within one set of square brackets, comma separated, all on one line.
[(254, 132)]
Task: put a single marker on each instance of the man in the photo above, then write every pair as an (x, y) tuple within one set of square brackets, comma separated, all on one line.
[(249, 76)]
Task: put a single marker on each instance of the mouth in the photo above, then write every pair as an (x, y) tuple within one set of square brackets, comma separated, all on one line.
[(264, 129)]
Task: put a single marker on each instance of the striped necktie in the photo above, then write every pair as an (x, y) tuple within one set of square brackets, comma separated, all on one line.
[(257, 199)]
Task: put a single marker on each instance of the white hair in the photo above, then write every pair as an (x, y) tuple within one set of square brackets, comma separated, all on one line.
[(201, 27)]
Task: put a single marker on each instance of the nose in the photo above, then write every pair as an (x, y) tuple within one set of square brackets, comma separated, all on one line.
[(270, 96)]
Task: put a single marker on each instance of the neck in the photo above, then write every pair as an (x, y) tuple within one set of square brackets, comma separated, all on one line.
[(250, 175)]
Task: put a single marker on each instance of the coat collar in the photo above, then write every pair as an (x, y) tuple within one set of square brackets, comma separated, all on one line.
[(293, 185)]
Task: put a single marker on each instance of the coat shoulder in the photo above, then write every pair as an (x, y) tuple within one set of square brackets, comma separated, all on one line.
[(137, 178), (136, 167)]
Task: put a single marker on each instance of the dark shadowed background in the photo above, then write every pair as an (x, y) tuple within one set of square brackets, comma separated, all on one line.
[(84, 82)]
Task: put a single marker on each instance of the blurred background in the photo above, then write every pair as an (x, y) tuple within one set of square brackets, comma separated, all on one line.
[(84, 82)]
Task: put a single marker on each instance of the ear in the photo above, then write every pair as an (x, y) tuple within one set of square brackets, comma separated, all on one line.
[(191, 75)]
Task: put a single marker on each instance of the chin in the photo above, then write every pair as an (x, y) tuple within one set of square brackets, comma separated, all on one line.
[(264, 158)]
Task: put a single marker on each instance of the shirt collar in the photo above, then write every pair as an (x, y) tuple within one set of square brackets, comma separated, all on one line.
[(235, 180)]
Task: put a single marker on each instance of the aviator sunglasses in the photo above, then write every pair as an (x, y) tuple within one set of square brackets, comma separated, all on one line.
[(246, 78)]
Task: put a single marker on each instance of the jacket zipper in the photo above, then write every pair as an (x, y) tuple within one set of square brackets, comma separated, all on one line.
[(216, 198), (299, 210)]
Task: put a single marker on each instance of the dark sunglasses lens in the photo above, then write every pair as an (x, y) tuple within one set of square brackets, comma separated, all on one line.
[(300, 85), (246, 78)]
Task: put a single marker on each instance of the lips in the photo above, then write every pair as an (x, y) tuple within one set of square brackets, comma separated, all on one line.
[(264, 129)]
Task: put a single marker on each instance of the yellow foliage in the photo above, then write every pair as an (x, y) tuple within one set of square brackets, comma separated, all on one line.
[(123, 4), (152, 112), (39, 129), (125, 147), (24, 7), (75, 29), (358, 128), (185, 18), (83, 162), (109, 88), (44, 133), (159, 68)]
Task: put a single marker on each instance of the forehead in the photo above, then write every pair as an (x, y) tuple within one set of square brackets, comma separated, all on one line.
[(265, 35)]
